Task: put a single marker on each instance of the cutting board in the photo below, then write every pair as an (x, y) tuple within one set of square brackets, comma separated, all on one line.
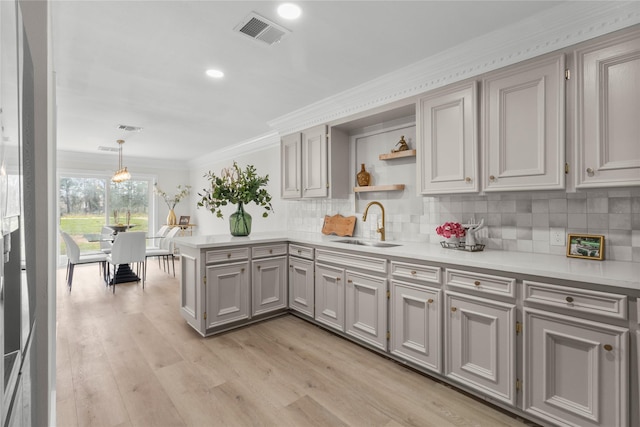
[(339, 225)]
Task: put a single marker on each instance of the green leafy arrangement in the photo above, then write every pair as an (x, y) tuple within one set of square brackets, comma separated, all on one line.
[(235, 186)]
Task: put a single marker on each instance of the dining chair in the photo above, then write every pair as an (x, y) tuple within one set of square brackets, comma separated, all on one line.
[(165, 250), (128, 247), (75, 257), (106, 239)]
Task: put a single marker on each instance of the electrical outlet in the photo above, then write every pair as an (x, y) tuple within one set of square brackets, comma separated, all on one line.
[(557, 237)]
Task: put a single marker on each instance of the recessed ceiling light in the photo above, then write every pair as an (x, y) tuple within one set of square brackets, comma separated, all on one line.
[(289, 11), (216, 74)]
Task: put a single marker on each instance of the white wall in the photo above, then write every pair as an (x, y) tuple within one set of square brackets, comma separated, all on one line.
[(267, 162)]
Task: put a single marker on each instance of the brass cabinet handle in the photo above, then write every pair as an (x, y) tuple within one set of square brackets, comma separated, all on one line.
[(467, 179), (242, 270), (608, 347), (290, 266), (590, 171), (349, 281), (430, 300), (337, 279), (477, 283), (492, 178), (453, 309), (228, 255), (259, 268), (569, 299), (270, 251), (413, 273), (299, 251)]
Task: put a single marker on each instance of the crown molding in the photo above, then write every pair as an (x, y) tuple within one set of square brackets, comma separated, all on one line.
[(109, 161), (562, 26), (258, 143)]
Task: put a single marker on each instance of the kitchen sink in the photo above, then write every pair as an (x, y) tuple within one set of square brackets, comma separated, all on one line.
[(367, 243)]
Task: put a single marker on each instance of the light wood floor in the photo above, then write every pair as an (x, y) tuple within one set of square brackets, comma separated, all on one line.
[(129, 359)]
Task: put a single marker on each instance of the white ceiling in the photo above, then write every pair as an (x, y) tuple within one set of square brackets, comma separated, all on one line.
[(142, 63)]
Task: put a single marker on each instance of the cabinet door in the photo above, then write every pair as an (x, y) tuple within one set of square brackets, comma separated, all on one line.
[(291, 166), (315, 162), (366, 308), (192, 291), (415, 324), (575, 371), (524, 126), (448, 141), (301, 286), (608, 108), (227, 293), (330, 296), (480, 345), (269, 285)]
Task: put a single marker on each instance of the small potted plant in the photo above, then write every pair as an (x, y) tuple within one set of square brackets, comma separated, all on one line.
[(238, 187)]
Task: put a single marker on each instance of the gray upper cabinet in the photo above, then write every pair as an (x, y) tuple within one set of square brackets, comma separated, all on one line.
[(314, 164), (291, 166), (523, 126), (608, 112), (448, 140)]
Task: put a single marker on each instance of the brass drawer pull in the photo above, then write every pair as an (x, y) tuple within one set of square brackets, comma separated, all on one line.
[(608, 347), (413, 272), (349, 281), (477, 283), (228, 255), (430, 300), (337, 279), (270, 251), (453, 309), (492, 178), (569, 299), (467, 179)]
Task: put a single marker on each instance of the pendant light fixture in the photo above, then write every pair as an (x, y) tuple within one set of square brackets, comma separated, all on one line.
[(122, 174)]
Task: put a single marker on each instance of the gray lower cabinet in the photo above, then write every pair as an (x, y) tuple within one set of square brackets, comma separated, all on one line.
[(366, 308), (301, 286), (480, 344), (576, 370), (415, 324), (329, 296), (227, 287), (227, 293), (268, 285)]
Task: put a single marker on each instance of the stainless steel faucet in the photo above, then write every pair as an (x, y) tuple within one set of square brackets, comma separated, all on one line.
[(364, 218)]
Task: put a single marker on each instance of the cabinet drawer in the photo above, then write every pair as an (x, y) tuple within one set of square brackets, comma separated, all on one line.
[(269, 250), (574, 299), (229, 254), (423, 273), (351, 260), (481, 282), (301, 251)]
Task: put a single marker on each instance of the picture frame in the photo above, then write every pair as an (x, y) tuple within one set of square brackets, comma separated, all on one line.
[(184, 220), (586, 246)]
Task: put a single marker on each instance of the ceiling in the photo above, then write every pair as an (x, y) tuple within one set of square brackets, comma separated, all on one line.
[(143, 63)]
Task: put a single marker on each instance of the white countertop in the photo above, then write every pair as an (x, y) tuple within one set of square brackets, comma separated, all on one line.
[(610, 273)]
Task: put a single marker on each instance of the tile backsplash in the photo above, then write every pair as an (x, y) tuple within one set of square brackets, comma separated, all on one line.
[(515, 222)]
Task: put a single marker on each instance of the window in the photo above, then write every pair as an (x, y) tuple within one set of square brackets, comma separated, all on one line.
[(87, 203)]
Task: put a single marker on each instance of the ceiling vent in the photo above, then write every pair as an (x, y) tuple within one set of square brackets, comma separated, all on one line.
[(128, 128), (110, 149), (260, 28)]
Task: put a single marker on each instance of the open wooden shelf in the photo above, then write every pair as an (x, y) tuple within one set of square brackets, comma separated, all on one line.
[(392, 187), (397, 155)]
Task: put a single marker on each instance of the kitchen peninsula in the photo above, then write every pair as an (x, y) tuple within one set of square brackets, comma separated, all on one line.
[(502, 325)]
